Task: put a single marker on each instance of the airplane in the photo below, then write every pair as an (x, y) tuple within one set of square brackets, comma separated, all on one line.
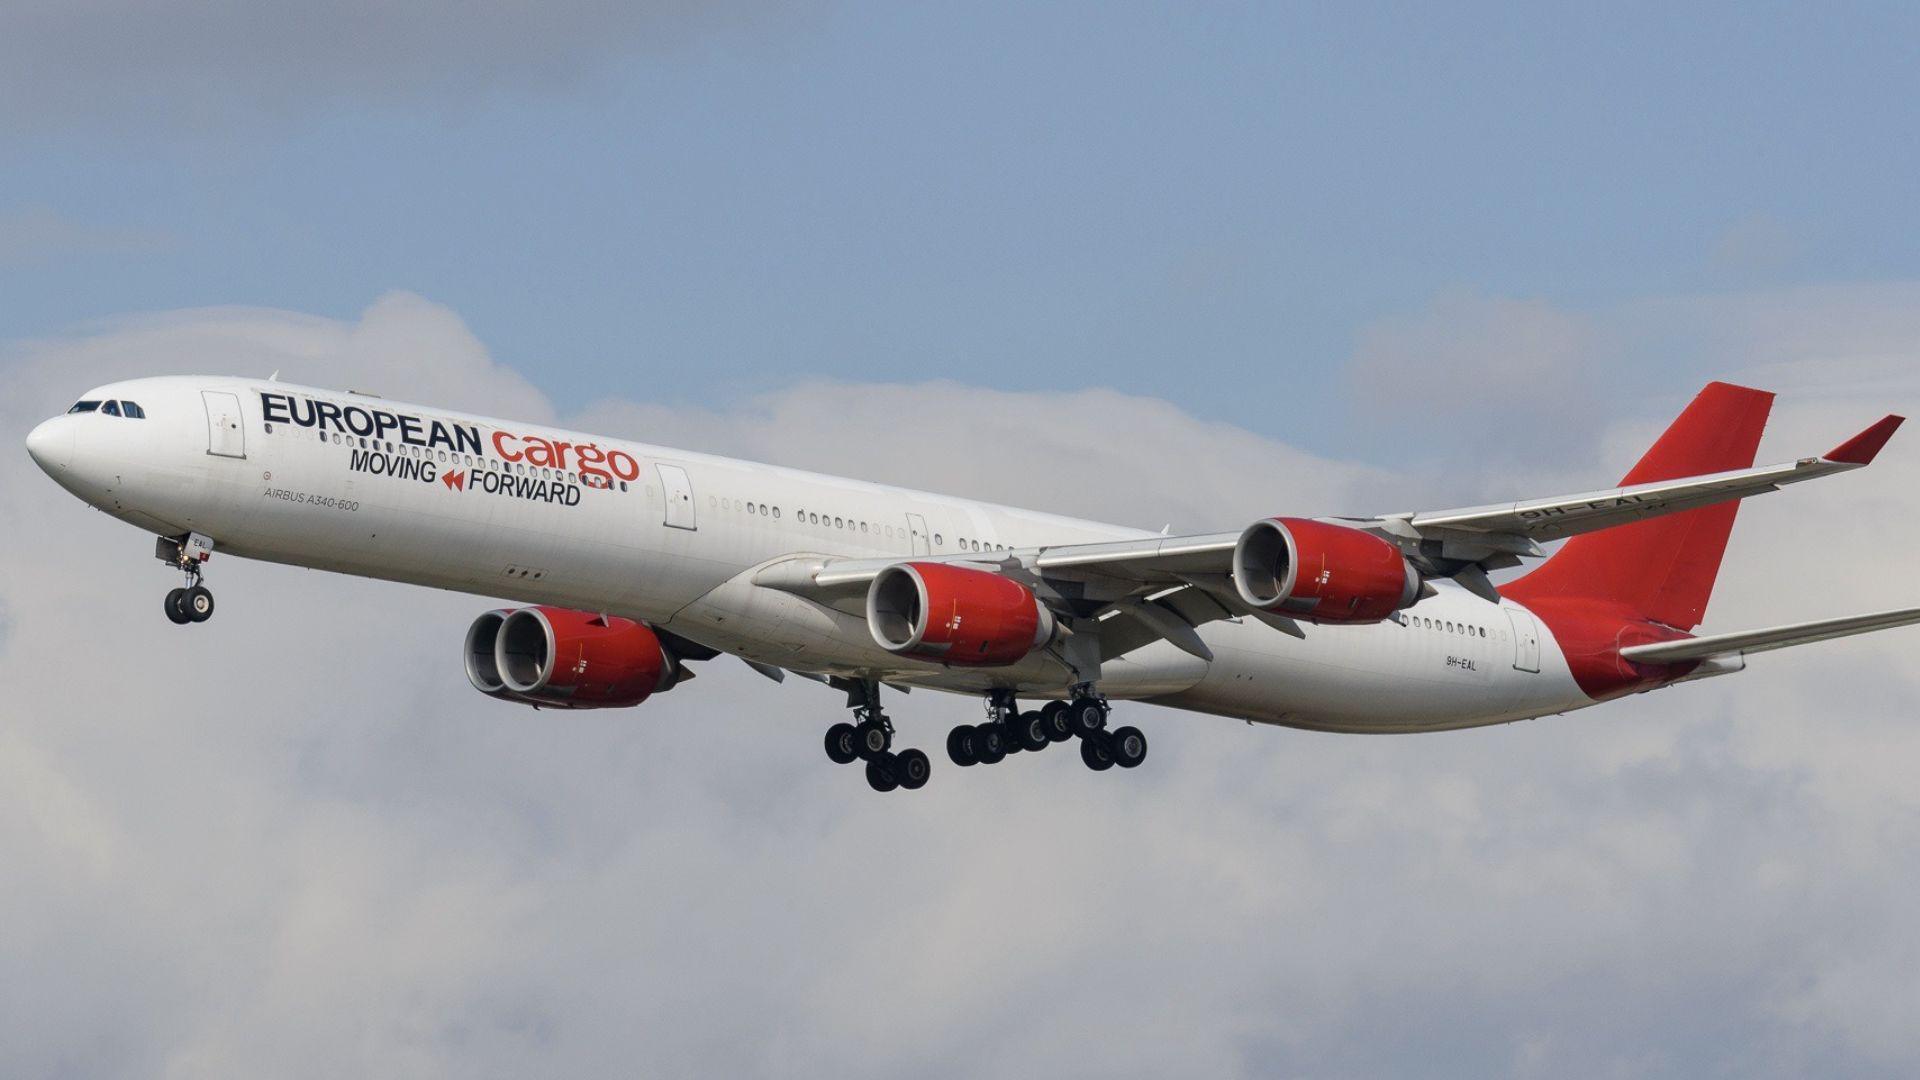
[(623, 564)]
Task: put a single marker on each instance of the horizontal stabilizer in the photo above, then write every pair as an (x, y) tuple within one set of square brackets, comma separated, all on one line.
[(1779, 637)]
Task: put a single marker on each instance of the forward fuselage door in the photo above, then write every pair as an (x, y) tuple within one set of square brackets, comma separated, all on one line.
[(917, 530), (1526, 639), (225, 436), (678, 491)]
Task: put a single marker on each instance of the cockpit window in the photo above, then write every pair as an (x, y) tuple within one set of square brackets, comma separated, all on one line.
[(84, 406), (132, 410), (111, 408)]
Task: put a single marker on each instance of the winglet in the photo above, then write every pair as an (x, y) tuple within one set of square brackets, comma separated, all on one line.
[(1861, 449)]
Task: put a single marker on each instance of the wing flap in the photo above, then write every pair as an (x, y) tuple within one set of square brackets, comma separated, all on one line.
[(1777, 637)]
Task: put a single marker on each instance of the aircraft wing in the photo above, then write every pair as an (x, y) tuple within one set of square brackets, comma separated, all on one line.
[(1514, 528), (1778, 637), (1156, 587), (1562, 516)]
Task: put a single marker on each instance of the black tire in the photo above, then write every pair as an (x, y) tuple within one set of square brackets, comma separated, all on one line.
[(842, 744), (1094, 751), (1031, 730), (871, 739), (177, 608), (1128, 746), (198, 604), (912, 769), (881, 775), (989, 745), (960, 749), (1053, 715), (1086, 716)]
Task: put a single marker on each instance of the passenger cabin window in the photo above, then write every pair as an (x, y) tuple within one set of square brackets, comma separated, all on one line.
[(83, 406)]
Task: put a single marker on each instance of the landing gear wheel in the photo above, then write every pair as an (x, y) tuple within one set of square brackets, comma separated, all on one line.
[(1030, 731), (198, 604), (881, 775), (960, 746), (872, 739), (1095, 752), (912, 768), (1053, 716), (988, 744), (842, 744), (1086, 716), (1128, 746), (177, 608)]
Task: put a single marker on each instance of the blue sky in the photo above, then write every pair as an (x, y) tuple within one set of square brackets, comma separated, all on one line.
[(1208, 206)]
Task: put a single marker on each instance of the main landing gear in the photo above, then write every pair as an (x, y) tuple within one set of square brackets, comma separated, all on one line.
[(870, 738), (192, 603), (1009, 731)]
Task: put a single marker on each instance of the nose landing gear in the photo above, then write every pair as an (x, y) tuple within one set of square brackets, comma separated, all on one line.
[(189, 605), (192, 603)]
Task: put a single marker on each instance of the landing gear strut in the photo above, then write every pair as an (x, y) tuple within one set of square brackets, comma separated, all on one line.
[(192, 603), (1086, 715), (870, 738), (1007, 730)]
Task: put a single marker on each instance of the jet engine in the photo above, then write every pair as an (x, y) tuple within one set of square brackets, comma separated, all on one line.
[(954, 615), (564, 659), (1322, 572)]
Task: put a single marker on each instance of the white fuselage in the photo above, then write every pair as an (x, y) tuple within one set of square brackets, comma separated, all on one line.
[(360, 485)]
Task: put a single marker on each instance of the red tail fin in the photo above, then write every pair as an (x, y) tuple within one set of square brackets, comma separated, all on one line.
[(1663, 569)]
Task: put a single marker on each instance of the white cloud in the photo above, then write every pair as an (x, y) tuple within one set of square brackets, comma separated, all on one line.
[(292, 841), (1511, 387), (401, 347), (1134, 460)]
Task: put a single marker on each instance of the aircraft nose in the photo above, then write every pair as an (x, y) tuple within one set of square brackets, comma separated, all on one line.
[(51, 444)]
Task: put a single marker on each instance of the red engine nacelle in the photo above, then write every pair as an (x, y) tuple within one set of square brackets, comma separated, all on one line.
[(565, 659), (953, 615), (1322, 572)]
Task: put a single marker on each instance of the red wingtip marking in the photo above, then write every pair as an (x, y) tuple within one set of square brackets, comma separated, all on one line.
[(1861, 449)]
